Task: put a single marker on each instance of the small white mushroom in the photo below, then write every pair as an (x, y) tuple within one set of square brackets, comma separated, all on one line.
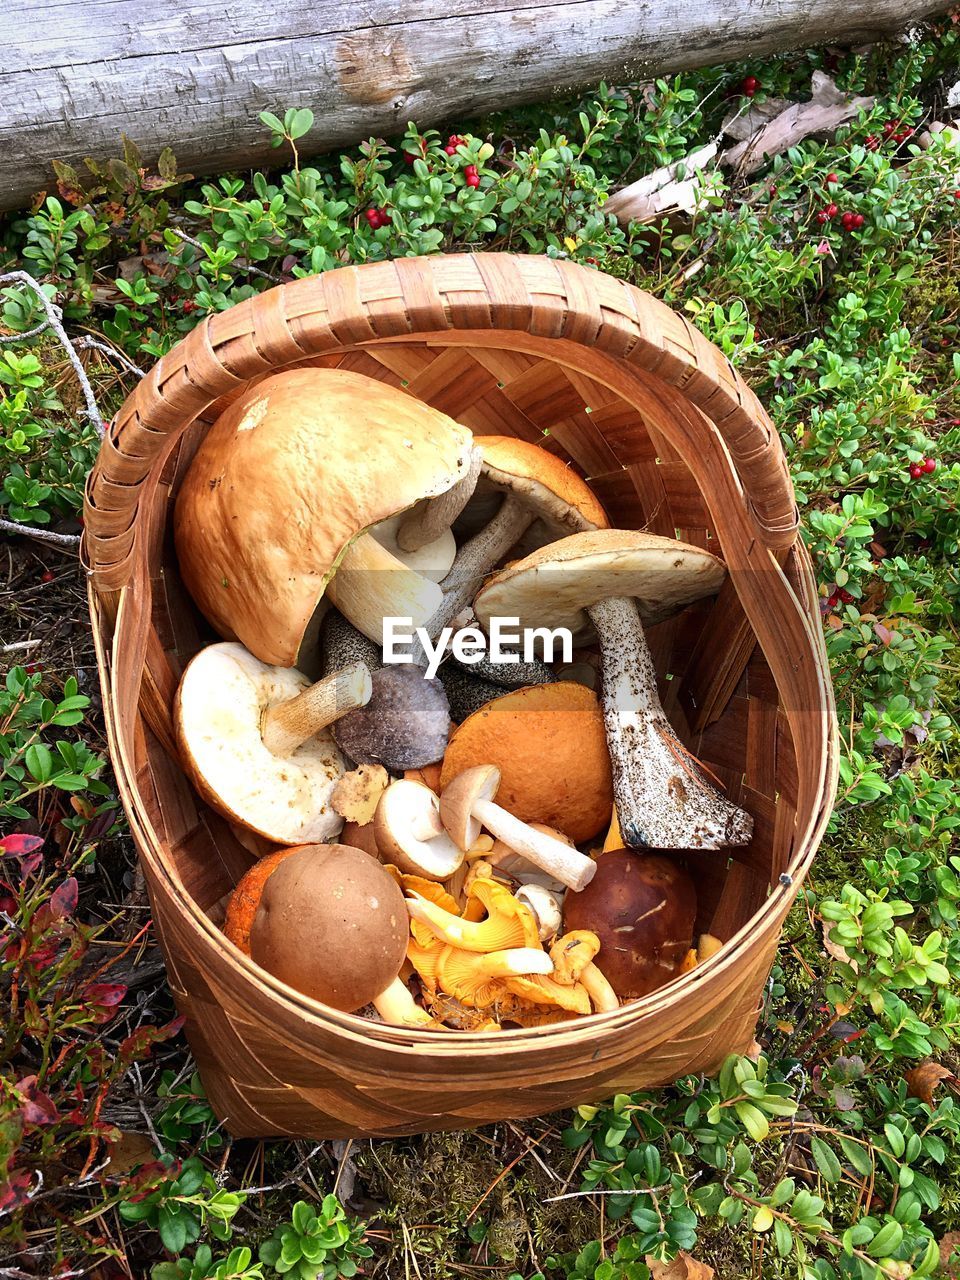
[(545, 907), (254, 739), (409, 832), (466, 805)]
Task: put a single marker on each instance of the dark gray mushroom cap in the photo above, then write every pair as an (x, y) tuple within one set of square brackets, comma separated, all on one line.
[(405, 725)]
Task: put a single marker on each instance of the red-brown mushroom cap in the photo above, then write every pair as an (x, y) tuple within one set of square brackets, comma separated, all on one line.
[(642, 906)]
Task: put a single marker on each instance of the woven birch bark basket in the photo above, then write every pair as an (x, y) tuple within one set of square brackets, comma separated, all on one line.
[(672, 441)]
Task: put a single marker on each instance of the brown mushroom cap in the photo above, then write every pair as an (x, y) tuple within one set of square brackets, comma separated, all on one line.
[(243, 902), (553, 587), (289, 474), (549, 743), (641, 905), (331, 923)]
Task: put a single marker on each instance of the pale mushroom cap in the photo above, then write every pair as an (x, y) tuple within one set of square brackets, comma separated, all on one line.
[(287, 476), (554, 586), (459, 797), (409, 832), (547, 484), (219, 703)]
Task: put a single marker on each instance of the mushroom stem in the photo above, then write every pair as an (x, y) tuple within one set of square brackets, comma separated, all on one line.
[(371, 584), (432, 517), (287, 725), (662, 798), (602, 996), (515, 960), (565, 864), (397, 1006), (477, 557)]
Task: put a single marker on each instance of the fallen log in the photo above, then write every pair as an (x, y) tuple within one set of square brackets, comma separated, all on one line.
[(194, 74)]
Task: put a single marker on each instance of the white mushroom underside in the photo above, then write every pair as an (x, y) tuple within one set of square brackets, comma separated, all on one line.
[(220, 703)]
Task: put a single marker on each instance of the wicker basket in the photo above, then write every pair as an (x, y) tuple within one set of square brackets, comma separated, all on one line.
[(672, 441)]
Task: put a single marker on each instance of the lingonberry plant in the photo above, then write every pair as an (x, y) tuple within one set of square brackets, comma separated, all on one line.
[(827, 277)]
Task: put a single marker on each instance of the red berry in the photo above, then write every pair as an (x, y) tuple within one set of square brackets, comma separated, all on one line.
[(822, 217), (473, 180), (189, 305), (831, 210), (46, 577), (871, 142), (858, 219), (909, 131), (385, 219), (845, 596), (470, 170), (916, 471), (890, 126), (409, 157), (832, 179), (847, 221), (750, 86), (773, 192), (929, 465), (33, 667), (451, 151)]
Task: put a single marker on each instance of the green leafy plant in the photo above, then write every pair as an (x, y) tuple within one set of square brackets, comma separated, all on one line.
[(316, 1243)]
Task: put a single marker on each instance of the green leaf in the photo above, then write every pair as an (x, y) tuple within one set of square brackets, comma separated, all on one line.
[(271, 121), (172, 1225), (753, 1120), (858, 1156), (301, 123), (825, 1160), (887, 1239), (39, 761)]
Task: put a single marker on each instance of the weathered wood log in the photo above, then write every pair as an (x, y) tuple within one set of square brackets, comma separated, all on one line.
[(194, 74)]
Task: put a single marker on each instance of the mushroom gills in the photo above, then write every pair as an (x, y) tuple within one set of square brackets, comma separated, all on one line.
[(663, 798)]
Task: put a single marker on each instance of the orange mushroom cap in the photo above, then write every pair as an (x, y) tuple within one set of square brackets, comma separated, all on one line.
[(566, 781)]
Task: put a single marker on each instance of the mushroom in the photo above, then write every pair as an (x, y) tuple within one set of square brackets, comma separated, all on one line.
[(573, 957), (466, 804), (519, 868), (536, 485), (357, 794), (466, 693), (397, 1006), (508, 673), (404, 725), (641, 905), (409, 833), (432, 518), (253, 739), (545, 907), (508, 922), (332, 923), (565, 782), (543, 989), (281, 496), (618, 578), (245, 898), (477, 980)]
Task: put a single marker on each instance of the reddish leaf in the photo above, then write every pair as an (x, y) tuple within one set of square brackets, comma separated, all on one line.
[(883, 634), (63, 900), (35, 1107), (15, 1190), (105, 993), (19, 845)]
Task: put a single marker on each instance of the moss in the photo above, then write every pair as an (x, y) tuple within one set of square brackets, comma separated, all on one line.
[(449, 1204)]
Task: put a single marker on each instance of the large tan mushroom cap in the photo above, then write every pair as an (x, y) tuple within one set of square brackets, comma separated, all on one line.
[(552, 487), (287, 476), (217, 715), (552, 587)]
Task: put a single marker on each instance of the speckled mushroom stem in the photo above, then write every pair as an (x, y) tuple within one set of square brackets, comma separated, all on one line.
[(663, 799), (432, 517), (287, 725)]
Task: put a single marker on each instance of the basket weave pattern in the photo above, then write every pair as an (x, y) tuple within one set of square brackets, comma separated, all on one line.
[(672, 441)]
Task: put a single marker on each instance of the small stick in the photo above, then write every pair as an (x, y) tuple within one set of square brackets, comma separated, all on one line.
[(41, 535), (54, 315)]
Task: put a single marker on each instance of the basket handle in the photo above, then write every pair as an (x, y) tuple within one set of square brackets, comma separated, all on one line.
[(413, 298)]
